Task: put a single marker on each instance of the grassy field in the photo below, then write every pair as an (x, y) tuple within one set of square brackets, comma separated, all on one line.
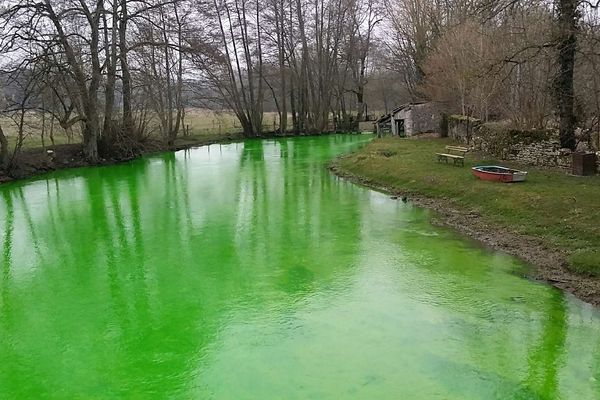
[(201, 124), (207, 122), (562, 210)]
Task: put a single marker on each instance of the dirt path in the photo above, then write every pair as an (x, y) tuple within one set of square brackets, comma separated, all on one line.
[(549, 263)]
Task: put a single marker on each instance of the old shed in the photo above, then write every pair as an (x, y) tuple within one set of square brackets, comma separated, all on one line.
[(411, 119)]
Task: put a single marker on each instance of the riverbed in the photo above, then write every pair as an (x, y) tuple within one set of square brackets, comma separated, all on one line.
[(248, 271)]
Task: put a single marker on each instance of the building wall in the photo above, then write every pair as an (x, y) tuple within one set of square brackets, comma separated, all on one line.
[(426, 117), (418, 118)]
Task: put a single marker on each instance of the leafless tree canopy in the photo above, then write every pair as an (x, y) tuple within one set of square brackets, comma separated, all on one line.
[(105, 68)]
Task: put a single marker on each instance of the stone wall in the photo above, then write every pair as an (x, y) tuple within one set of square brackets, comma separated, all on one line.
[(460, 127), (529, 147), (546, 153)]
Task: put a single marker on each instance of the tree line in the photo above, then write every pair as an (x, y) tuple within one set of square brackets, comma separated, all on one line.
[(115, 71), (530, 63), (109, 67)]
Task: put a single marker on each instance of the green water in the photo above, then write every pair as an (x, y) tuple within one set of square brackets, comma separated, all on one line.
[(247, 271)]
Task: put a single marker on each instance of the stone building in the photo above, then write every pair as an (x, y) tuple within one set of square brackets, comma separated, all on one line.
[(411, 119)]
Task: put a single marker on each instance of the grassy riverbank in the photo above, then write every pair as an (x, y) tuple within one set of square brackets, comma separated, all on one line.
[(562, 211)]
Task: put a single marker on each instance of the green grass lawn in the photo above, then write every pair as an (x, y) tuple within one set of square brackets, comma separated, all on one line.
[(562, 210), (207, 122)]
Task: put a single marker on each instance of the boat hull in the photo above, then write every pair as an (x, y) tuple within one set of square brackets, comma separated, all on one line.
[(499, 174)]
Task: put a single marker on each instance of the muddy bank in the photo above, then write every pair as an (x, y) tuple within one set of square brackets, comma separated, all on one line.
[(549, 263), (37, 161)]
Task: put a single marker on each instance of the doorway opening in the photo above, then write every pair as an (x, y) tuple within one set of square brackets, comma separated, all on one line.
[(400, 128)]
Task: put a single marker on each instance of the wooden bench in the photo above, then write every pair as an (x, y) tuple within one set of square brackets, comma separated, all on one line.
[(454, 153)]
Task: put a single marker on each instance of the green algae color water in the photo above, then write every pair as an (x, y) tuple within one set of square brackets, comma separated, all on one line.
[(248, 271)]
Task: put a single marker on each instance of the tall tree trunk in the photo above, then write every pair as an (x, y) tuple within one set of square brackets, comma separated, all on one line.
[(92, 128), (304, 73), (87, 97), (258, 104), (568, 17), (125, 73), (168, 116), (3, 150), (281, 58), (179, 85), (111, 71), (295, 126), (90, 134), (360, 87), (360, 104)]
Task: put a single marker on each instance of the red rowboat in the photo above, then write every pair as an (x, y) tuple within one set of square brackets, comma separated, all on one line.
[(499, 174)]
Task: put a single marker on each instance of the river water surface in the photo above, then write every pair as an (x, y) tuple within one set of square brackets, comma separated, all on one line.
[(248, 271)]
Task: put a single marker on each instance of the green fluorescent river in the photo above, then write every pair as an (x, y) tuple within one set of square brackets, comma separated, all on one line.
[(248, 271)]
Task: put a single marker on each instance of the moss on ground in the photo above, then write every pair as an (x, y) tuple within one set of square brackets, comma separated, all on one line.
[(562, 210)]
